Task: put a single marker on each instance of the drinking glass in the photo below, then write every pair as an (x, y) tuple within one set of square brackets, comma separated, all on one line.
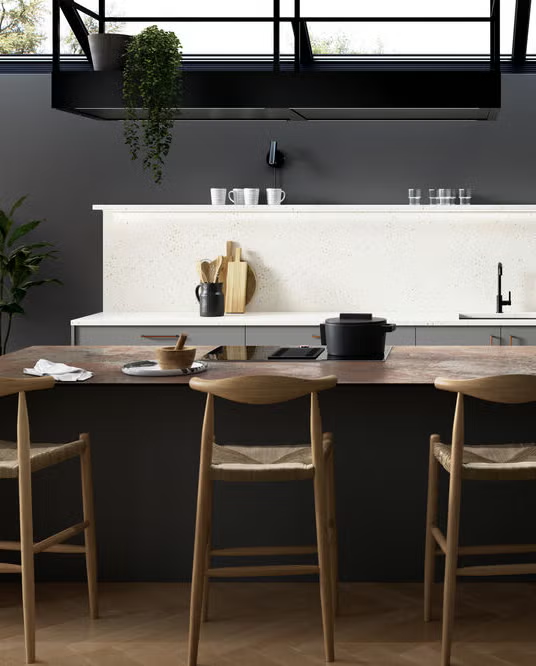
[(465, 196), (432, 196), (414, 196), (445, 196)]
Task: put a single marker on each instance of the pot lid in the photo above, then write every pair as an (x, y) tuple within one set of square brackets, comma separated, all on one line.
[(356, 319)]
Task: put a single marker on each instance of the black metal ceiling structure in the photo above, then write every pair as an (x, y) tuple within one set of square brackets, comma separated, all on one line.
[(302, 86)]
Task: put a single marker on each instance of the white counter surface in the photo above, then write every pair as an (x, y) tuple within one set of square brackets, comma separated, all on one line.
[(275, 319)]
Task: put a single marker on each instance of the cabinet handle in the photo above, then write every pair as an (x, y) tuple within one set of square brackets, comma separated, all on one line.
[(491, 339), (511, 340), (316, 336), (159, 337)]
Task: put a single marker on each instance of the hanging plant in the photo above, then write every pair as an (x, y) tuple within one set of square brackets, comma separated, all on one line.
[(151, 79)]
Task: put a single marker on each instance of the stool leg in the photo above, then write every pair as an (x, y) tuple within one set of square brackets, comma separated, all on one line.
[(26, 529), (89, 535), (199, 568), (206, 582), (431, 521), (333, 541), (326, 595), (451, 563)]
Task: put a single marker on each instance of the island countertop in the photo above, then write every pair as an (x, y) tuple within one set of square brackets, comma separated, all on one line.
[(405, 365)]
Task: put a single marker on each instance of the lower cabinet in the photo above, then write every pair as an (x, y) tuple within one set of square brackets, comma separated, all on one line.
[(290, 336), (458, 335), (158, 335), (518, 335)]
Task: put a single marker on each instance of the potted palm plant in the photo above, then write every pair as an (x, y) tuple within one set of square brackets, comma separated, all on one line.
[(151, 91), (19, 268)]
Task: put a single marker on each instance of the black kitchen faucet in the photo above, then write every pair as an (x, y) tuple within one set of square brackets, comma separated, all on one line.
[(500, 300)]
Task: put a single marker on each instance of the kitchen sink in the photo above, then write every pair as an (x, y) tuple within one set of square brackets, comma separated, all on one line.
[(497, 315)]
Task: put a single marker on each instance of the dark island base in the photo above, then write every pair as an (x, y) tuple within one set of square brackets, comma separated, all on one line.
[(145, 452)]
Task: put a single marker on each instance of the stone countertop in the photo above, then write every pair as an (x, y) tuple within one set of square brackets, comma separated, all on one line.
[(404, 366), (277, 319)]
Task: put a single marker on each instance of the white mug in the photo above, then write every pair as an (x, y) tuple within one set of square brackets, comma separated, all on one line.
[(275, 196), (251, 196), (237, 196), (218, 196)]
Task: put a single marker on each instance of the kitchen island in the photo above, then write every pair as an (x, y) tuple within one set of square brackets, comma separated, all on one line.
[(145, 434)]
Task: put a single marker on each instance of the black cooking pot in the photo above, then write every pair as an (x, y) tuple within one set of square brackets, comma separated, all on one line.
[(355, 336)]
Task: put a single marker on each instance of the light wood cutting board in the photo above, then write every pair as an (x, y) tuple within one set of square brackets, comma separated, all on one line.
[(235, 284), (251, 284)]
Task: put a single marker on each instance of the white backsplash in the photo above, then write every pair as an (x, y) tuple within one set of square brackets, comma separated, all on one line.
[(384, 259)]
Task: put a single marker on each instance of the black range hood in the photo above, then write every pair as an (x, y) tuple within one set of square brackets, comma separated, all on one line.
[(300, 86), (417, 94)]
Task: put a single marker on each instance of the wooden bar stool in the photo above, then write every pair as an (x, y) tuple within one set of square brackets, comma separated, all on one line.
[(18, 460), (265, 463), (503, 462)]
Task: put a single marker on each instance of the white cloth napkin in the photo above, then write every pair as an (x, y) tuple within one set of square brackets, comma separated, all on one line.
[(60, 371)]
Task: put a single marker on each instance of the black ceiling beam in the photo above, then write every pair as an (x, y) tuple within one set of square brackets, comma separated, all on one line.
[(521, 31)]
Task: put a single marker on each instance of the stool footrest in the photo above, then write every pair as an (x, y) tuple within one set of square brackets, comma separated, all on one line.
[(268, 570), (498, 570), (263, 550), (10, 568)]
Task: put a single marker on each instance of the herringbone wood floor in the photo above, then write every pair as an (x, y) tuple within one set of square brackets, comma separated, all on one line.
[(265, 624)]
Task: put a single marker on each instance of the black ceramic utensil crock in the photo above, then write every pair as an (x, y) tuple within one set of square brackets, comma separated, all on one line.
[(211, 299)]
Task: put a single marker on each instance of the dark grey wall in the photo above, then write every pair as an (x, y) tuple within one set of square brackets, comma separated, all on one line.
[(67, 163)]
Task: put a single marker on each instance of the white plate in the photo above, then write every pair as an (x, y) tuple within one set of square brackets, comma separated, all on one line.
[(152, 369)]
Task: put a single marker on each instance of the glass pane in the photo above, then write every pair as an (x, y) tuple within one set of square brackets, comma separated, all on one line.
[(531, 45), (213, 38), (399, 39), (209, 8), (24, 27), (391, 8)]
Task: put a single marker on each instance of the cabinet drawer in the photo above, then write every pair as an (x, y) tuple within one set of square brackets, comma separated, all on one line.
[(149, 335), (282, 335), (518, 335), (458, 335), (403, 335)]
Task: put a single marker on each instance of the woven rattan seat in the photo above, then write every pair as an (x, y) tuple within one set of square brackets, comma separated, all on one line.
[(41, 456), (264, 463), (501, 462)]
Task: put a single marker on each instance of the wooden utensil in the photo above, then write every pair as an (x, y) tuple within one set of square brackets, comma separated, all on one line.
[(201, 269), (235, 287), (217, 268), (180, 341)]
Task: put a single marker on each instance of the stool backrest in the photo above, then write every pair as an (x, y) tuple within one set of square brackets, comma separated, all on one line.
[(260, 390), (506, 389)]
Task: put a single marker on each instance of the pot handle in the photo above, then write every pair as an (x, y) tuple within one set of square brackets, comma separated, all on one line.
[(389, 328), (322, 334), (197, 292)]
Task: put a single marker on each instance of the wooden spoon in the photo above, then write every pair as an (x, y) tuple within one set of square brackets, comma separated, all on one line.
[(219, 264), (201, 269), (180, 341)]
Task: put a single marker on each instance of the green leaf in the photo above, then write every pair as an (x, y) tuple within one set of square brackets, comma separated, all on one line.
[(23, 230), (17, 204), (11, 308)]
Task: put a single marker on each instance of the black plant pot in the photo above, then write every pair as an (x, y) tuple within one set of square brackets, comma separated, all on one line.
[(108, 50)]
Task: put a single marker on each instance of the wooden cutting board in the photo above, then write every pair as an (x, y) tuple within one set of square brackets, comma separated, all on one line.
[(251, 284), (235, 284)]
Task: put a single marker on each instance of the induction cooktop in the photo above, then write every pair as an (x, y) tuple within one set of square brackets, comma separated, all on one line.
[(261, 353)]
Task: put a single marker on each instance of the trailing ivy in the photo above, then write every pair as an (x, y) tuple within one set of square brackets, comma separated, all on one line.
[(151, 90)]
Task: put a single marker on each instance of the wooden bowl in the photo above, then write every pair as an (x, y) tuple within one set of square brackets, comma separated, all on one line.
[(170, 358)]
